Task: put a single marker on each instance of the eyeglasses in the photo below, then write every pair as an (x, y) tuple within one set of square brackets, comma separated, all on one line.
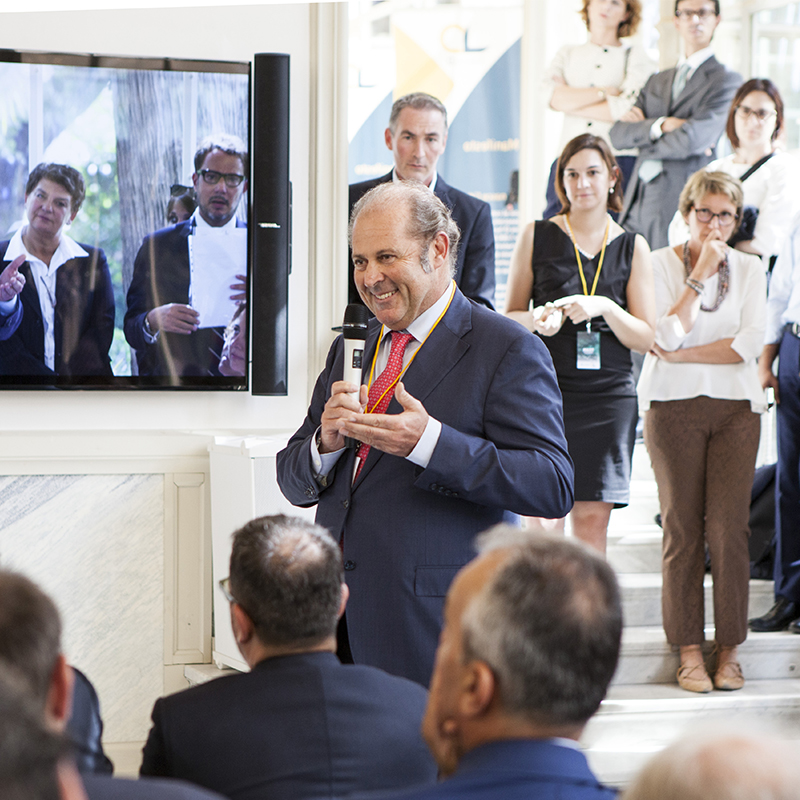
[(225, 586), (762, 115), (232, 180), (700, 13), (177, 189), (705, 215)]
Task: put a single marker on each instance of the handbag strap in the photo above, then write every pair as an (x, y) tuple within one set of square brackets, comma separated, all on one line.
[(757, 165)]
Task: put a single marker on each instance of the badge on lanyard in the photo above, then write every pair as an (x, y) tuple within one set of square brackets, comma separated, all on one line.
[(588, 355), (588, 348)]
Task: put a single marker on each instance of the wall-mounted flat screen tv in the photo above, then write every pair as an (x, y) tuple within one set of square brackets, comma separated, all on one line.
[(124, 197)]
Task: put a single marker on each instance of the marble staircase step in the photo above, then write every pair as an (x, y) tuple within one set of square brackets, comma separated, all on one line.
[(636, 550), (635, 721), (641, 598), (647, 658)]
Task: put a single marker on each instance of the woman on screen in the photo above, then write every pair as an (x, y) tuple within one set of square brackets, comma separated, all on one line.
[(182, 202), (66, 306)]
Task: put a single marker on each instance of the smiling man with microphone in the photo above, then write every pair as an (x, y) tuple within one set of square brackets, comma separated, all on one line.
[(459, 426)]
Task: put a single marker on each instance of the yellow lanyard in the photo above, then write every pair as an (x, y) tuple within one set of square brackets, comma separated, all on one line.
[(369, 410), (578, 257)]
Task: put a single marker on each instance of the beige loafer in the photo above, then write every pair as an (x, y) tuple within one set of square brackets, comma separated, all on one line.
[(694, 679), (728, 676)]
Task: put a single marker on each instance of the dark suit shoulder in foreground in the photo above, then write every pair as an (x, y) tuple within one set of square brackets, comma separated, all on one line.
[(104, 787), (517, 770), (294, 727)]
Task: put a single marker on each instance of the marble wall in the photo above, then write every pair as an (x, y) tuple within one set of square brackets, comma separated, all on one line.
[(95, 543)]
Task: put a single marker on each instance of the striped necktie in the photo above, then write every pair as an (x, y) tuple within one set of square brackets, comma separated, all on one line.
[(381, 391)]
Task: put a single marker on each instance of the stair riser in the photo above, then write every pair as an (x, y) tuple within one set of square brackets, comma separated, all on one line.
[(657, 664), (642, 605)]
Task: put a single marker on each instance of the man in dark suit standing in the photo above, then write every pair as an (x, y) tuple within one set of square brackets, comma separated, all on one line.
[(299, 724), (675, 123), (472, 434), (161, 325), (530, 643), (417, 136)]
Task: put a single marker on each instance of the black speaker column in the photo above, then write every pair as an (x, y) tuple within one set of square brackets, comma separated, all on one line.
[(271, 228)]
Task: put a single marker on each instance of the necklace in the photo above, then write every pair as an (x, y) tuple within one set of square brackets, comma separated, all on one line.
[(724, 278)]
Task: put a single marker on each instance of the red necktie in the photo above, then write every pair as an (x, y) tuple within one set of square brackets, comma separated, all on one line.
[(380, 392)]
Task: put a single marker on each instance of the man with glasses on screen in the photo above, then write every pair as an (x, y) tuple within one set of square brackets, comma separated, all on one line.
[(675, 123), (188, 277)]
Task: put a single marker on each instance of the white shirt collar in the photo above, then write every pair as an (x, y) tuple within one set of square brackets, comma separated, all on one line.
[(199, 223), (696, 59), (396, 178), (67, 248), (423, 324), (563, 742)]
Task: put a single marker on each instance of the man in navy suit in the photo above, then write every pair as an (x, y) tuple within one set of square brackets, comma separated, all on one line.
[(300, 724), (473, 434), (417, 136), (160, 324), (675, 124), (530, 643)]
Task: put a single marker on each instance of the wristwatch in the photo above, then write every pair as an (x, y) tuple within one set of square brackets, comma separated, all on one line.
[(149, 331)]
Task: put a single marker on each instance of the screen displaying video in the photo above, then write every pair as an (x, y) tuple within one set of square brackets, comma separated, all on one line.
[(124, 197)]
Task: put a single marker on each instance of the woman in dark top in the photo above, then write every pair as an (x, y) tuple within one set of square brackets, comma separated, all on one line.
[(591, 287)]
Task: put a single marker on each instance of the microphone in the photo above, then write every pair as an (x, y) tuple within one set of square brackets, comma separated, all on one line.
[(354, 332)]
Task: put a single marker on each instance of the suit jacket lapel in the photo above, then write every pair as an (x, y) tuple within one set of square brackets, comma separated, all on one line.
[(433, 362), (30, 296), (369, 354), (442, 191), (664, 94), (696, 83)]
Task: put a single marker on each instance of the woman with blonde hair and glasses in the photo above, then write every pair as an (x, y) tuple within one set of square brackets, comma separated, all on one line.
[(701, 398)]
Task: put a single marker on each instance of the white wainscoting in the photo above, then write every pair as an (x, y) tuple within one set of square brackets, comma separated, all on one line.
[(116, 528)]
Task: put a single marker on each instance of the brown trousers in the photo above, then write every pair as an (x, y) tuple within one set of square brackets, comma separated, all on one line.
[(703, 452)]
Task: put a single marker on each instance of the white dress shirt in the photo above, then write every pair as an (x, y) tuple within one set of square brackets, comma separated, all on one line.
[(783, 305), (44, 280), (397, 179), (740, 317)]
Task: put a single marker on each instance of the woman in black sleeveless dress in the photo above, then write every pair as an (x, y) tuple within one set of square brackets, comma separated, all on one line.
[(591, 284)]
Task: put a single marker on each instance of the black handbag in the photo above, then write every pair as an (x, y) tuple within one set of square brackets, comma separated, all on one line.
[(747, 228)]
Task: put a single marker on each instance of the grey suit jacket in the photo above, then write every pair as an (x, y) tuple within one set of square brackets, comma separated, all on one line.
[(704, 104)]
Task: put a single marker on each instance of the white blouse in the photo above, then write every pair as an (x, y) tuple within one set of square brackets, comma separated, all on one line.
[(627, 67), (741, 316), (772, 189)]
